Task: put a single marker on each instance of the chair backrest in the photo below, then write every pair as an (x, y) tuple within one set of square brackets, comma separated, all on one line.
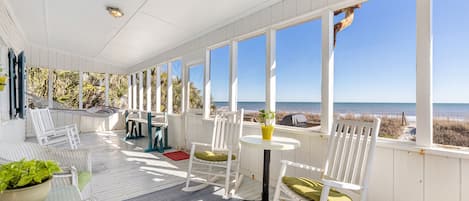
[(42, 121), (351, 150), (159, 117), (227, 129)]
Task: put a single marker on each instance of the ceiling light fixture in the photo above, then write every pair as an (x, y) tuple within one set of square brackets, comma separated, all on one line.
[(115, 12)]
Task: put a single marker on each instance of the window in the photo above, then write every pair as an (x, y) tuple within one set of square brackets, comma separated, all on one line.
[(196, 87), (450, 95), (66, 89), (298, 75), (176, 74), (219, 78), (164, 86), (93, 90), (38, 81), (251, 76), (375, 67), (118, 91)]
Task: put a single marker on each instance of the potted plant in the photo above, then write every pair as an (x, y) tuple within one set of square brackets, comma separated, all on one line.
[(3, 79), (26, 180), (267, 120)]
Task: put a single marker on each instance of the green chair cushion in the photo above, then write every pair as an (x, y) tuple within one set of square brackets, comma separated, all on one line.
[(311, 189), (212, 156), (83, 179)]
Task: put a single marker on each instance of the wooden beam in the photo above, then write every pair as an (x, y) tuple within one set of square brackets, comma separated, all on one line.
[(106, 89), (424, 52), (148, 90), (140, 91), (80, 90), (207, 83), (233, 75), (327, 85), (270, 70)]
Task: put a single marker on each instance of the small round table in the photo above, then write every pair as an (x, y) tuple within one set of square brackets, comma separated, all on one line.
[(277, 143)]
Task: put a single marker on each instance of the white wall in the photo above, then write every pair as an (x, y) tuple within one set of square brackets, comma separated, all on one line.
[(400, 171)]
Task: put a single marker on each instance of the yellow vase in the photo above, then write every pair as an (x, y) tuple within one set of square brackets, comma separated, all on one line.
[(267, 132)]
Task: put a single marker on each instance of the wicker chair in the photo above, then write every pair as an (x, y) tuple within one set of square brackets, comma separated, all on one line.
[(75, 163)]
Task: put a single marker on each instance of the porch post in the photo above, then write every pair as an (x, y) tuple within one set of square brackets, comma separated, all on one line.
[(106, 89), (129, 91), (185, 88), (158, 88), (270, 70), (207, 84), (424, 62), (233, 75), (134, 91), (50, 88), (169, 97), (80, 90), (140, 90), (327, 85), (148, 89)]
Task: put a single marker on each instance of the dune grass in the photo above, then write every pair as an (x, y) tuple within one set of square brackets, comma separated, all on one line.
[(451, 132)]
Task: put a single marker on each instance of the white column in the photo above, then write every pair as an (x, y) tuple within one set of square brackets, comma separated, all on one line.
[(185, 88), (50, 89), (80, 91), (129, 91), (207, 84), (140, 90), (327, 85), (424, 73), (134, 91), (158, 89), (149, 90), (233, 75), (270, 71), (106, 89), (169, 103)]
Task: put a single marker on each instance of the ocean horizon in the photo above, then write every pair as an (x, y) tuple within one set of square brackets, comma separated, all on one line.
[(439, 109)]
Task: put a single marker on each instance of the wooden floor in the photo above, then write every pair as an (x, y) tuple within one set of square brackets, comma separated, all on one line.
[(122, 170)]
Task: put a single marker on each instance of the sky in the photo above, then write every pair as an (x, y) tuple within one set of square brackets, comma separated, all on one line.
[(374, 58)]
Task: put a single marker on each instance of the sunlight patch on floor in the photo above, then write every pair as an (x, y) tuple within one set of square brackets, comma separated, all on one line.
[(152, 162), (139, 154)]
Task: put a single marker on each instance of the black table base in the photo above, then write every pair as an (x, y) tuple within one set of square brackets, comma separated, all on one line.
[(266, 176)]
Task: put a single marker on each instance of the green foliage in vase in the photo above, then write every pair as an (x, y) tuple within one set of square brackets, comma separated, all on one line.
[(25, 173), (266, 117)]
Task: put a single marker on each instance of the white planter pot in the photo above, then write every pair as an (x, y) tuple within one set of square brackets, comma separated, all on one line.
[(33, 193)]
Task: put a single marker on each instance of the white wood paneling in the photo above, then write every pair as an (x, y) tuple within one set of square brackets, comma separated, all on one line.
[(464, 179), (408, 176), (442, 178), (381, 180)]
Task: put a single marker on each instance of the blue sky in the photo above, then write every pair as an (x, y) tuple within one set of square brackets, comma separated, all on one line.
[(374, 58)]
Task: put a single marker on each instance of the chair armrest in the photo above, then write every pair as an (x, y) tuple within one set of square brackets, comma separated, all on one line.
[(302, 166), (341, 185), (201, 144)]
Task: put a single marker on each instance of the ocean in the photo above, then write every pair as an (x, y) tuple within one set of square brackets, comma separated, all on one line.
[(439, 109)]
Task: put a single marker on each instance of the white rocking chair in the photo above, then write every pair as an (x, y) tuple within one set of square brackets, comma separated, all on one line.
[(49, 135), (224, 154), (348, 165)]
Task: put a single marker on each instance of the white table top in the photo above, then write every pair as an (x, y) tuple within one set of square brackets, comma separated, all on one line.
[(276, 143)]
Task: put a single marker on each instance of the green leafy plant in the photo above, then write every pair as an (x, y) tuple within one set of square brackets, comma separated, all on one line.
[(25, 173), (266, 118)]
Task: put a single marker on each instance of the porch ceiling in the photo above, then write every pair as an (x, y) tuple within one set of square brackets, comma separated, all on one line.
[(149, 27)]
